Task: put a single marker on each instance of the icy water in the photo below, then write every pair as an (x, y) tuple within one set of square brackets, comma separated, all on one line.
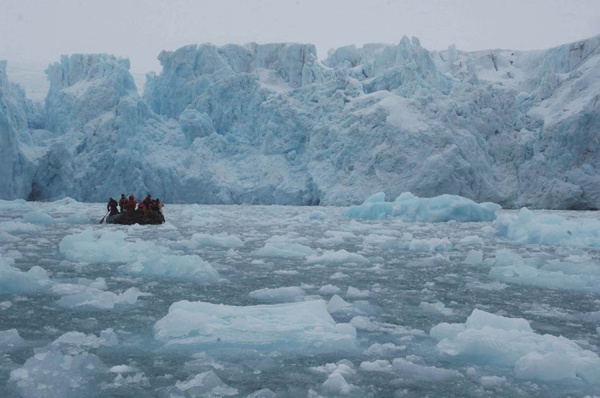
[(81, 335)]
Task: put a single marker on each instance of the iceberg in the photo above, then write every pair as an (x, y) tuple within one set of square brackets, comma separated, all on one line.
[(408, 207), (298, 328), (493, 339), (540, 229)]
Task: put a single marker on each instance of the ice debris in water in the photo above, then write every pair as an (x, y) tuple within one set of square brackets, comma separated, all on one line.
[(408, 207), (491, 339), (64, 368)]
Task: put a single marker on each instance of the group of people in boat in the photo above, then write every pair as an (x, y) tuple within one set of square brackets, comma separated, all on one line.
[(129, 205)]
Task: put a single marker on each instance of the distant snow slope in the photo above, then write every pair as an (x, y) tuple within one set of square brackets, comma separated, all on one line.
[(273, 124)]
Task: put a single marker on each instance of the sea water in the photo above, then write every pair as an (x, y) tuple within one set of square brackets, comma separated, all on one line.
[(268, 301)]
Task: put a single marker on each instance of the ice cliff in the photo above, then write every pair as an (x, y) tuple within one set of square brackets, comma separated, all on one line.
[(273, 124)]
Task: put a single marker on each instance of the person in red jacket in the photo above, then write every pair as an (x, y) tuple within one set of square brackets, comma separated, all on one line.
[(131, 203)]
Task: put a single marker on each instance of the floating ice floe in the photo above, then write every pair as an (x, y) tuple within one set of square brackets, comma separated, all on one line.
[(549, 229), (105, 246), (38, 217), (92, 298), (280, 246), (337, 257), (329, 289), (411, 370), (577, 273), (300, 328), (205, 384), (15, 281), (10, 340), (408, 207), (182, 267), (142, 257), (490, 339), (279, 294), (337, 374)]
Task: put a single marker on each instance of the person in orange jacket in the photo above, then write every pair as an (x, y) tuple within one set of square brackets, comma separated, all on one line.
[(131, 203)]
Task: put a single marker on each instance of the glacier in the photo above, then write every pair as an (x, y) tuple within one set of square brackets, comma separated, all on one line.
[(273, 124)]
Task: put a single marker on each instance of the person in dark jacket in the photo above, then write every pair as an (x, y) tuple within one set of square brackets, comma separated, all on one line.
[(122, 203), (112, 207)]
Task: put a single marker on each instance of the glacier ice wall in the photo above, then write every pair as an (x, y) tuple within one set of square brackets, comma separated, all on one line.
[(271, 123), (15, 163)]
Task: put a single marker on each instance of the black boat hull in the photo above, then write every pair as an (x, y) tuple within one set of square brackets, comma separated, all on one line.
[(142, 217)]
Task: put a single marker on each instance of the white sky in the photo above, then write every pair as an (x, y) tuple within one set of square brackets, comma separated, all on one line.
[(39, 31)]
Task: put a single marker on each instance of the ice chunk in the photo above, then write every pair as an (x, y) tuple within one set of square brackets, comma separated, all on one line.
[(472, 240), (107, 338), (338, 304), (491, 339), (92, 298), (279, 295), (411, 370), (110, 247), (54, 374), (184, 267), (492, 381), (205, 384), (379, 365), (385, 349), (411, 208), (337, 257), (18, 228), (38, 217), (421, 372), (336, 381), (10, 340), (579, 274), (430, 245), (544, 229), (15, 281), (436, 308), (279, 246), (329, 289), (301, 327), (474, 257), (337, 384), (353, 292), (263, 393)]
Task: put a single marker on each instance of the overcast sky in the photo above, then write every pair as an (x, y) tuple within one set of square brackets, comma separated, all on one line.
[(42, 30)]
